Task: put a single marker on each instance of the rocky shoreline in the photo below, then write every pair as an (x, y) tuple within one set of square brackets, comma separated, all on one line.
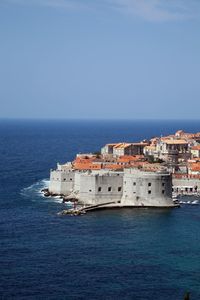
[(47, 194)]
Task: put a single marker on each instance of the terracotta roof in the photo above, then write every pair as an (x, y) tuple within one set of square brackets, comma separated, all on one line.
[(113, 167), (89, 166), (84, 159), (122, 145), (194, 166), (140, 144), (129, 158), (196, 147), (152, 147), (176, 142)]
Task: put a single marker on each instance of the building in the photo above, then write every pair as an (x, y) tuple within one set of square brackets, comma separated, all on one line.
[(150, 150), (130, 187), (173, 151), (108, 149), (122, 149), (195, 151)]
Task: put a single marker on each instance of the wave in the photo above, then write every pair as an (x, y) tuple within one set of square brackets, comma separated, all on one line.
[(189, 202), (34, 193)]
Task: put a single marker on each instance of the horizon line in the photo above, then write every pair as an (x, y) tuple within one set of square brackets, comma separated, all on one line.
[(93, 119)]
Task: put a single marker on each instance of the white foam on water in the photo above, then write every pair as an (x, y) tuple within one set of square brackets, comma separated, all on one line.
[(190, 202), (195, 202), (34, 192), (55, 200)]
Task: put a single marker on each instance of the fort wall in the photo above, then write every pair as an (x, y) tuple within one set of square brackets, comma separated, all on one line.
[(61, 182), (147, 188), (101, 188), (132, 187)]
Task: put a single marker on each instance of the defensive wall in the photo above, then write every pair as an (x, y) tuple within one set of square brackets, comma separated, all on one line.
[(61, 181), (147, 188), (131, 187)]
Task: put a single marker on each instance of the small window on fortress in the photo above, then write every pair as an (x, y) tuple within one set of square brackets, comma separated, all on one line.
[(163, 191), (134, 183), (70, 179), (109, 189), (64, 179), (90, 190), (163, 184), (149, 192), (119, 189), (99, 189), (149, 184)]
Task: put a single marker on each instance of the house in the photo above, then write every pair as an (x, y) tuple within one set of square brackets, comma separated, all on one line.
[(195, 151)]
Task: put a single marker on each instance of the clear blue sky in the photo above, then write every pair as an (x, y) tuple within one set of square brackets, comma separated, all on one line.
[(127, 59)]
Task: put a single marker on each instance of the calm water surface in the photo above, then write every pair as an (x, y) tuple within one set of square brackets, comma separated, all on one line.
[(124, 254)]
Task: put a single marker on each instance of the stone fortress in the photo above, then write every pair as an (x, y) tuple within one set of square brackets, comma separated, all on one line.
[(131, 174), (131, 187)]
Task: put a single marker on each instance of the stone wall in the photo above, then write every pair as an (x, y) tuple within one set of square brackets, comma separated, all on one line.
[(61, 181), (101, 188), (146, 188), (129, 188)]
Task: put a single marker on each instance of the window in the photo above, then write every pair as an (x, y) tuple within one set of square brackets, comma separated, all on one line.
[(163, 191), (70, 179), (119, 189), (90, 190), (163, 184), (64, 179), (134, 183), (99, 189), (149, 184), (109, 189), (149, 192)]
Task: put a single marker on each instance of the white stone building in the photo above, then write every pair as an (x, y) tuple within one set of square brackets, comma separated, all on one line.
[(132, 187)]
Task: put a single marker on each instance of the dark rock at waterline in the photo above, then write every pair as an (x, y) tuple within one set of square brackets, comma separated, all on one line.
[(69, 199), (46, 192)]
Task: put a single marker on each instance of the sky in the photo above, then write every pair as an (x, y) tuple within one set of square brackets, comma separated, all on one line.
[(100, 59)]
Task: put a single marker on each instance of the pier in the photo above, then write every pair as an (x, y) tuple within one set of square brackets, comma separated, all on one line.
[(82, 210)]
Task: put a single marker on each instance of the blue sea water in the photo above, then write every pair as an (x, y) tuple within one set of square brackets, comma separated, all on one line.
[(125, 254)]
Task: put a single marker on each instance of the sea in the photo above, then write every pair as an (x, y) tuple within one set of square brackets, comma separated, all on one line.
[(138, 254)]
